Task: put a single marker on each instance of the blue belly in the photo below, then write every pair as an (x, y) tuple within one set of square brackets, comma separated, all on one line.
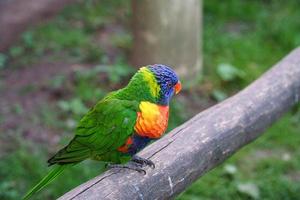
[(138, 143)]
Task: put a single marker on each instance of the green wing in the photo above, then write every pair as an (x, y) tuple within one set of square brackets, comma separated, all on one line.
[(103, 129)]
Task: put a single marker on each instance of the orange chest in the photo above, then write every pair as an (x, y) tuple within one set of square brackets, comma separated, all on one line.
[(152, 120)]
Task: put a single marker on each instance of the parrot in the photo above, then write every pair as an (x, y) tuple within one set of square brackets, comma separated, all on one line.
[(120, 125)]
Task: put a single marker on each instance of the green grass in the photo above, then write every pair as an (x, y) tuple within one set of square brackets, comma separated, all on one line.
[(246, 36), (72, 36), (250, 35)]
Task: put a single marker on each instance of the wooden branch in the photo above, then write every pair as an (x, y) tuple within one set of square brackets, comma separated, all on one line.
[(203, 142)]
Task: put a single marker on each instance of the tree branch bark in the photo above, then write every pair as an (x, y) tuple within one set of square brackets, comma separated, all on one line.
[(203, 142)]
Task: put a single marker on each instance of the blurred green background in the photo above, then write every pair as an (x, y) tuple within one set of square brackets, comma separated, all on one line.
[(59, 69)]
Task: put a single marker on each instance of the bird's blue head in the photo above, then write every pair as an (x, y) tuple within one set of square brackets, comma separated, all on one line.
[(167, 80)]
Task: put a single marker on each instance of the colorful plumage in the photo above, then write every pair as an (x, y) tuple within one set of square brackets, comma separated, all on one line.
[(121, 124)]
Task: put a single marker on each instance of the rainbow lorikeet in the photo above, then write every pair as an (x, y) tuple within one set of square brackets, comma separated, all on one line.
[(120, 124)]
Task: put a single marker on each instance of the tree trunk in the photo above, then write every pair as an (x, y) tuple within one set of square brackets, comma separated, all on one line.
[(168, 32)]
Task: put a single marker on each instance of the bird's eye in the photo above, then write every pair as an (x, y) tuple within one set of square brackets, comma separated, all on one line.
[(169, 84)]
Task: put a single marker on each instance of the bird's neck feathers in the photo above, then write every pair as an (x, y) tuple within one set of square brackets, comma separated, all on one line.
[(142, 87)]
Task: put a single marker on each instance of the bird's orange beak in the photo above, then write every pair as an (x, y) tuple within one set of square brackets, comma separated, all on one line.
[(177, 87)]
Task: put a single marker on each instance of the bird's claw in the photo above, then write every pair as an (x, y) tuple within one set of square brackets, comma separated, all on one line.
[(143, 161), (136, 164), (130, 165)]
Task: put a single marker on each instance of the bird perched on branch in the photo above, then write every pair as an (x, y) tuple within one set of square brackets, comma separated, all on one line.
[(120, 124)]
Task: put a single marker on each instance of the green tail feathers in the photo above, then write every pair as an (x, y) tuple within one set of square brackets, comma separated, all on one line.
[(54, 172)]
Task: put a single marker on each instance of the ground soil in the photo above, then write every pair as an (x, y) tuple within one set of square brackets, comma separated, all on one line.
[(24, 92)]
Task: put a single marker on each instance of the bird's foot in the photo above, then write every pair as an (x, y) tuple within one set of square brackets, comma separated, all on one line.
[(143, 161), (130, 165)]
